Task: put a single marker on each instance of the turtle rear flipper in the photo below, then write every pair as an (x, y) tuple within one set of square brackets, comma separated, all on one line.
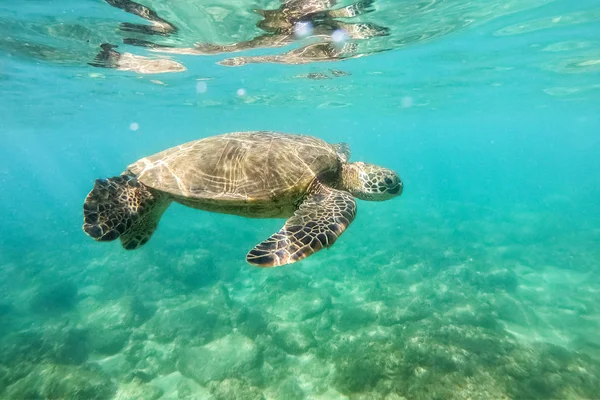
[(123, 207), (107, 57), (319, 221)]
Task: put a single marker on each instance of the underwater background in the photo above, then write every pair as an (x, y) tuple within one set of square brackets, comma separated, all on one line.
[(480, 282)]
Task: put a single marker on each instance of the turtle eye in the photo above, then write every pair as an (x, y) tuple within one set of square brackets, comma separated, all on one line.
[(388, 181)]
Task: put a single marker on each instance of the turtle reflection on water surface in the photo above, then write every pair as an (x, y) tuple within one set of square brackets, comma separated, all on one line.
[(279, 27)]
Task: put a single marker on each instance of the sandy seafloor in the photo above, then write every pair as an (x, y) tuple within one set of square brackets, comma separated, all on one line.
[(429, 313)]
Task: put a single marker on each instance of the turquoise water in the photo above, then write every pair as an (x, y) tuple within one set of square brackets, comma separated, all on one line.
[(480, 281)]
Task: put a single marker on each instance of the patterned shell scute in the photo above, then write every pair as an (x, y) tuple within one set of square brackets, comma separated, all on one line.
[(239, 166)]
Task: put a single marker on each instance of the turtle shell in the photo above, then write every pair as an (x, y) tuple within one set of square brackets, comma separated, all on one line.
[(245, 167)]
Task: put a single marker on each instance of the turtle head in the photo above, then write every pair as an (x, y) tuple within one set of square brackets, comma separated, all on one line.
[(371, 182)]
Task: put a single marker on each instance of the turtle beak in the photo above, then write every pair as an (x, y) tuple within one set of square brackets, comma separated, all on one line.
[(393, 184), (396, 189)]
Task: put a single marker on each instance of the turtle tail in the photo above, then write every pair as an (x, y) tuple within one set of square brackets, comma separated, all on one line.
[(122, 207)]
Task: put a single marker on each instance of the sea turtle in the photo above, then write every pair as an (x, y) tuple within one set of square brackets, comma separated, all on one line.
[(259, 174)]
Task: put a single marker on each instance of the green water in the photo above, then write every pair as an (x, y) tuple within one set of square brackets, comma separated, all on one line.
[(479, 282)]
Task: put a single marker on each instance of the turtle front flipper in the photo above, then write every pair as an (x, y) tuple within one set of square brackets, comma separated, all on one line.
[(317, 223), (123, 207)]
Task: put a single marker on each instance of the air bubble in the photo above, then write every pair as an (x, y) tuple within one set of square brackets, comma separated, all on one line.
[(134, 126), (339, 36), (241, 92), (201, 87), (407, 102), (302, 29)]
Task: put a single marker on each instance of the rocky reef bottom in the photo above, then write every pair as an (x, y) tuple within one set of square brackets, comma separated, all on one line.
[(422, 312)]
